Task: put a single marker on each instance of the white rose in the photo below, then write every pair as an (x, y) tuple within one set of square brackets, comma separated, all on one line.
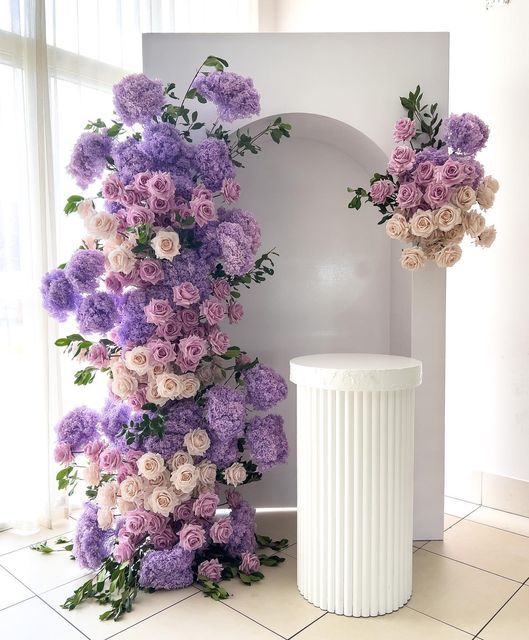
[(235, 474), (163, 500), (197, 442), (124, 385), (447, 217), (166, 244), (150, 465), (121, 259), (137, 360), (464, 198), (190, 385), (180, 458), (107, 494), (169, 385), (105, 519), (161, 480), (85, 208), (131, 488), (185, 478), (102, 225), (485, 197), (207, 473)]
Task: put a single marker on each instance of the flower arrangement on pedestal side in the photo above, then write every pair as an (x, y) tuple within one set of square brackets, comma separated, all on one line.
[(165, 256), (434, 191)]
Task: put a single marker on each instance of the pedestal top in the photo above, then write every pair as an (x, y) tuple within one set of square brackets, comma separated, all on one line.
[(356, 371)]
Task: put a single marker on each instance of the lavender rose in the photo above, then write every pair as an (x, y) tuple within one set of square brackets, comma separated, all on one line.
[(409, 196), (401, 160), (192, 537), (381, 190), (436, 194), (221, 531), (186, 294), (210, 569), (249, 562), (404, 130), (206, 505)]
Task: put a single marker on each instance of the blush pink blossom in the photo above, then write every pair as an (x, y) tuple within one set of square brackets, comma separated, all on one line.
[(186, 294), (141, 180), (112, 188), (404, 129), (221, 289), (231, 190), (159, 205), (158, 311), (113, 283), (235, 312), (137, 215), (192, 349), (170, 329), (189, 318), (206, 505), (161, 351), (93, 450), (249, 562), (98, 356), (401, 159), (424, 173), (203, 210), (381, 190), (221, 531), (201, 192), (136, 522), (138, 398), (210, 569), (160, 185), (124, 550), (63, 453), (185, 511), (436, 194), (219, 341), (165, 539), (409, 196), (452, 172), (130, 197), (192, 537), (150, 271), (155, 523), (110, 459), (212, 310)]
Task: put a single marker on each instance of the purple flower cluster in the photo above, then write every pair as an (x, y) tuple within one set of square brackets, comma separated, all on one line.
[(247, 222), (58, 294), (167, 569), (97, 313), (84, 268), (223, 452), (267, 442), (264, 387), (243, 537), (466, 133), (88, 158), (236, 249), (78, 427), (181, 417), (113, 416), (213, 162), (225, 412), (167, 149), (91, 545), (130, 159), (234, 96), (137, 98)]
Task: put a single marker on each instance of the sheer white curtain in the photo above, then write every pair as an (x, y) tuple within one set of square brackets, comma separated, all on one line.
[(58, 61)]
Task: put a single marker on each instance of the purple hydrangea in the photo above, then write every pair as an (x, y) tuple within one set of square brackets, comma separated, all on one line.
[(78, 427), (466, 134), (236, 249), (267, 442), (243, 537), (234, 96), (134, 330), (249, 225), (137, 98), (97, 313), (223, 452), (84, 268), (58, 294), (167, 569), (182, 416), (213, 162), (167, 149), (435, 156), (265, 387), (187, 267), (130, 159), (113, 416), (183, 185), (225, 412), (209, 250), (89, 157), (91, 545)]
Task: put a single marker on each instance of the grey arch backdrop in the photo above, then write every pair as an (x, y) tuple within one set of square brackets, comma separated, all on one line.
[(338, 285)]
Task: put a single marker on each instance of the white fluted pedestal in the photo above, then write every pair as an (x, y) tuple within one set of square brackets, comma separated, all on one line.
[(355, 480)]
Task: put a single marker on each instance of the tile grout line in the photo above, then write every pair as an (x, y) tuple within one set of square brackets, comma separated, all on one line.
[(491, 526), (19, 602), (453, 626), (476, 637), (325, 613), (248, 618)]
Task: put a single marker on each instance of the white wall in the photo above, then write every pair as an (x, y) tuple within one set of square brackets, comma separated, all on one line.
[(487, 408)]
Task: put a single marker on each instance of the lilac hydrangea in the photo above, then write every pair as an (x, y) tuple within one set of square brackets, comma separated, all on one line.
[(167, 569), (267, 442), (84, 268), (97, 313), (137, 98), (58, 294), (248, 223), (78, 427), (236, 249), (181, 417), (89, 157), (225, 412), (130, 159), (223, 452), (213, 162), (466, 133), (243, 537), (167, 149), (234, 96), (113, 416), (91, 545), (187, 267), (265, 387), (435, 156)]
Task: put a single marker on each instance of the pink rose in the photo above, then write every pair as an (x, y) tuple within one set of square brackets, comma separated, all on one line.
[(113, 283), (113, 188), (158, 311), (192, 349), (141, 180), (249, 562), (92, 474), (486, 237), (404, 129), (138, 398), (63, 453), (160, 185), (401, 159), (192, 537), (126, 469), (185, 511), (189, 318), (110, 459), (436, 194), (412, 259), (159, 205), (381, 190), (93, 449), (98, 356), (409, 196), (235, 312), (186, 294), (243, 359), (155, 523), (201, 192), (203, 210), (448, 256), (124, 550), (424, 173), (170, 329), (221, 289), (150, 271), (166, 539), (221, 531), (231, 190), (212, 310), (206, 505), (451, 172), (233, 498), (136, 522), (161, 351), (219, 341), (137, 215), (210, 569), (130, 197)]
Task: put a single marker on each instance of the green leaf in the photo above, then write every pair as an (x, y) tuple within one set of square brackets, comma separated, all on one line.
[(72, 203), (114, 130)]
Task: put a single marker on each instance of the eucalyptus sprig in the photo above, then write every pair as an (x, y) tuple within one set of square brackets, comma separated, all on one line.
[(212, 589), (265, 542), (63, 544), (245, 142), (263, 267)]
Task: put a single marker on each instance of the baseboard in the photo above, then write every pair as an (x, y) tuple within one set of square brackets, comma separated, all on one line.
[(506, 494)]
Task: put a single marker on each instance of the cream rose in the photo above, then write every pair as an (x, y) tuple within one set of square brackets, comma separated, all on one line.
[(107, 494), (124, 385), (491, 183), (105, 518), (486, 237), (422, 224), (131, 488), (485, 197), (102, 225), (169, 385), (152, 394), (473, 223), (125, 506), (185, 478), (235, 474), (166, 244), (447, 217), (150, 465), (207, 473), (448, 256), (156, 370), (138, 360), (190, 385), (197, 442), (163, 500), (121, 259), (92, 474), (180, 458), (456, 234), (464, 198), (85, 208), (412, 258), (397, 227)]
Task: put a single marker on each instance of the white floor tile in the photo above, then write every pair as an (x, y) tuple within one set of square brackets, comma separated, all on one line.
[(459, 508), (512, 622), (39, 571), (292, 551), (11, 590), (450, 521), (501, 552), (10, 541), (86, 616), (198, 617), (501, 520), (34, 620)]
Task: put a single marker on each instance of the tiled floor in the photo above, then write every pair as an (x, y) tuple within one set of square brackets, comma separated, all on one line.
[(473, 585)]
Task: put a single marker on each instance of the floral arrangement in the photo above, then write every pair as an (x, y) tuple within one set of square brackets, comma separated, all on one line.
[(161, 267), (434, 191)]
